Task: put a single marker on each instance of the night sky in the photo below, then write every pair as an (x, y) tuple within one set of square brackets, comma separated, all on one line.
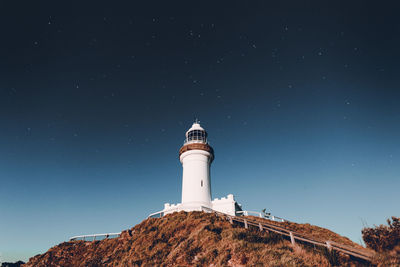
[(300, 100)]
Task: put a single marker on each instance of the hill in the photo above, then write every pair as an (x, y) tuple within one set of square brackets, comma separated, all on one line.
[(199, 239)]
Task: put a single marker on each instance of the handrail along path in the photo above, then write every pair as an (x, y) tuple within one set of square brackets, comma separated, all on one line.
[(330, 245), (94, 236)]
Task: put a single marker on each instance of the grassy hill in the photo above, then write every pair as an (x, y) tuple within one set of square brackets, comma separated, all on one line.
[(197, 239)]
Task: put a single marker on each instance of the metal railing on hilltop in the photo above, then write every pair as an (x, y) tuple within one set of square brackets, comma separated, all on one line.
[(261, 215), (94, 237), (158, 214)]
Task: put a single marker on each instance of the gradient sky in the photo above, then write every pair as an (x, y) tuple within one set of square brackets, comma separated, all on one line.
[(301, 101)]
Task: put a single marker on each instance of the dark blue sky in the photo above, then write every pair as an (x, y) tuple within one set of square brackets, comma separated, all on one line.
[(300, 100)]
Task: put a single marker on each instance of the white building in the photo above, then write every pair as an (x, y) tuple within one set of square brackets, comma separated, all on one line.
[(196, 156)]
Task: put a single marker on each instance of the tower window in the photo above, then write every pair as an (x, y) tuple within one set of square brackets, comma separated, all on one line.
[(201, 183), (197, 135)]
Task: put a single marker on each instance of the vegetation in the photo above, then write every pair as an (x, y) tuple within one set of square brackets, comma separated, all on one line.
[(384, 239), (195, 239), (12, 264)]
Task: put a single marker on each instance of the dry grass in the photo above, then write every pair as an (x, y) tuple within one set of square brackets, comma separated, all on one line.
[(182, 239), (313, 231)]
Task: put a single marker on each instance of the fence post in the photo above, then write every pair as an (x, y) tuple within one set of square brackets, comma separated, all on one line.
[(292, 239), (328, 245), (245, 224), (230, 220), (260, 226)]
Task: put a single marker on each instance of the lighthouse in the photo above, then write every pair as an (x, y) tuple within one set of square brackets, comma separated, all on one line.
[(196, 156)]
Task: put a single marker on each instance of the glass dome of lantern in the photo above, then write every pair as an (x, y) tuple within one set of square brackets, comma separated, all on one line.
[(196, 134)]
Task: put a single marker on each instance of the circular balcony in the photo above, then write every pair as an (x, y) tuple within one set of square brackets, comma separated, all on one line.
[(196, 146)]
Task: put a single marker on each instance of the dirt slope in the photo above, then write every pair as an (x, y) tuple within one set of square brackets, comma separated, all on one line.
[(195, 239)]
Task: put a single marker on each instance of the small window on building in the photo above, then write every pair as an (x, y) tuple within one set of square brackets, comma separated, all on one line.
[(201, 183)]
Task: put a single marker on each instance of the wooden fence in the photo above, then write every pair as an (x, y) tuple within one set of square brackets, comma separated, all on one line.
[(267, 226)]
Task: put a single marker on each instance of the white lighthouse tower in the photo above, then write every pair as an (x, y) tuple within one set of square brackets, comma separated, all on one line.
[(196, 156)]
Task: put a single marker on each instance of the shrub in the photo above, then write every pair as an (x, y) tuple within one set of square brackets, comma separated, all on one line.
[(383, 237)]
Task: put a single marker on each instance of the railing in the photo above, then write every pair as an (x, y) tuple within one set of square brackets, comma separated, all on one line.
[(330, 245), (261, 215), (94, 237), (158, 214), (195, 141)]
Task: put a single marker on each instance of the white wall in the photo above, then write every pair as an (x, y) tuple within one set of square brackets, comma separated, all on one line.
[(225, 205), (196, 182)]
